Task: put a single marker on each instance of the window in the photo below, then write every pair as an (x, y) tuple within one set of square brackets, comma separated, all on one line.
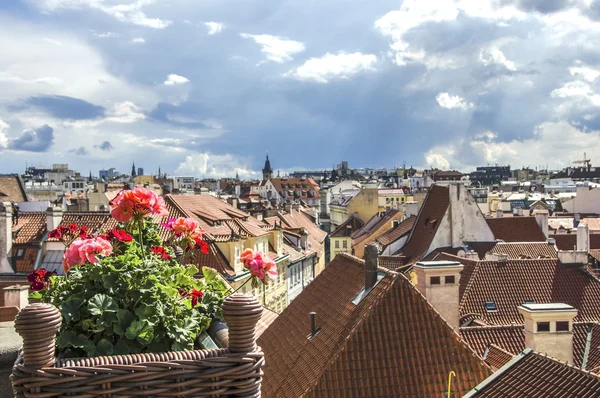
[(337, 244), (490, 306), (434, 280), (264, 247), (345, 244), (20, 252), (562, 326), (449, 280), (543, 326)]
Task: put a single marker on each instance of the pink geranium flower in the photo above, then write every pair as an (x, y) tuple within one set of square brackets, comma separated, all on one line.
[(137, 203), (83, 251), (259, 265)]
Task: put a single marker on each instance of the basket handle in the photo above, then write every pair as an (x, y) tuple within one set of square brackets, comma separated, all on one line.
[(242, 312)]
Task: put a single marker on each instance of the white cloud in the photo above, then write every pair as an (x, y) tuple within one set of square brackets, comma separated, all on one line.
[(212, 165), (214, 27), (413, 13), (138, 40), (334, 66), (173, 79), (496, 56), (106, 35), (577, 90), (547, 144), (587, 73), (52, 41), (277, 49), (128, 13), (3, 138), (445, 100)]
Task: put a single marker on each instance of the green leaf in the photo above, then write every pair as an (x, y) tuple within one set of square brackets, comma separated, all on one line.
[(140, 331), (209, 274), (70, 310), (65, 338), (104, 347), (101, 303), (110, 280), (145, 311), (124, 319), (121, 348), (36, 295)]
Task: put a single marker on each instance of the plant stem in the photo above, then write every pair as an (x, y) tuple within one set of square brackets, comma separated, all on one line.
[(141, 238), (240, 286)]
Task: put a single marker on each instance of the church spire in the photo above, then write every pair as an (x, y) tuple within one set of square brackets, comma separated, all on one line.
[(133, 170), (267, 170)]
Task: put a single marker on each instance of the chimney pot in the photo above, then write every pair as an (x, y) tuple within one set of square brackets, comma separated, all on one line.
[(371, 263), (313, 324)]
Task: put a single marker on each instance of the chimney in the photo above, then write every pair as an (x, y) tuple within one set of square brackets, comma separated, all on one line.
[(304, 239), (412, 208), (549, 329), (395, 223), (499, 213), (53, 217), (472, 255), (288, 208), (101, 186), (573, 257), (583, 237), (371, 264), (16, 296), (5, 237), (438, 282), (541, 216), (313, 325), (493, 256)]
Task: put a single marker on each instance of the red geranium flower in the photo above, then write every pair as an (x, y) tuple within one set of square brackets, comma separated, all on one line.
[(161, 251), (196, 295), (201, 244), (119, 235), (39, 279)]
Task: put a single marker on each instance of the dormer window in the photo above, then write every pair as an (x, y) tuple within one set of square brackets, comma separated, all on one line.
[(490, 306)]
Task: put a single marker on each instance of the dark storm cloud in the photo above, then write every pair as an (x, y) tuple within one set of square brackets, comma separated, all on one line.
[(81, 151), (37, 140), (105, 146), (63, 107)]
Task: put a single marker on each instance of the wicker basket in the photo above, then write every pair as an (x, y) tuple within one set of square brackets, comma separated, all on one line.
[(227, 372)]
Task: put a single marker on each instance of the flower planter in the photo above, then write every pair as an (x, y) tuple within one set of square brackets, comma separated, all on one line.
[(233, 372)]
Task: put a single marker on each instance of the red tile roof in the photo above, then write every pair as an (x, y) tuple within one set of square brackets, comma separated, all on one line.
[(266, 319), (430, 216), (373, 229), (307, 187), (296, 219), (30, 228), (543, 281), (26, 262), (569, 241), (496, 357), (11, 189), (401, 230), (531, 375), (516, 229), (510, 337), (346, 229), (531, 250), (393, 343), (581, 332)]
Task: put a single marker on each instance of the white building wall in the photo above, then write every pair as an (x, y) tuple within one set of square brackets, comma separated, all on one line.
[(586, 201)]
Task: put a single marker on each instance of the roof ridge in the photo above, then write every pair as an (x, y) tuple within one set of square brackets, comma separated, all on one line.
[(482, 327)]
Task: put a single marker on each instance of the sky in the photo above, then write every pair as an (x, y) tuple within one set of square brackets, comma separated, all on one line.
[(207, 88)]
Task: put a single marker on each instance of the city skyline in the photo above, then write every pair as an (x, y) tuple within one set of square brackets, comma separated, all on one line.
[(207, 89)]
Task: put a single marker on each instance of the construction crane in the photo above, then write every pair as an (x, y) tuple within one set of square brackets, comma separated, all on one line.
[(585, 161)]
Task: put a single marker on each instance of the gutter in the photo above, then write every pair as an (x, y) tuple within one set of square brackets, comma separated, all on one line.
[(498, 374), (588, 343)]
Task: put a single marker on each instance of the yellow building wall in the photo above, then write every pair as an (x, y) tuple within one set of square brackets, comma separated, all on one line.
[(333, 250), (320, 265), (365, 204), (142, 180), (392, 201)]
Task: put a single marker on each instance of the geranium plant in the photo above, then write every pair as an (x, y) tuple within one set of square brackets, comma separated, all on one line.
[(125, 291)]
